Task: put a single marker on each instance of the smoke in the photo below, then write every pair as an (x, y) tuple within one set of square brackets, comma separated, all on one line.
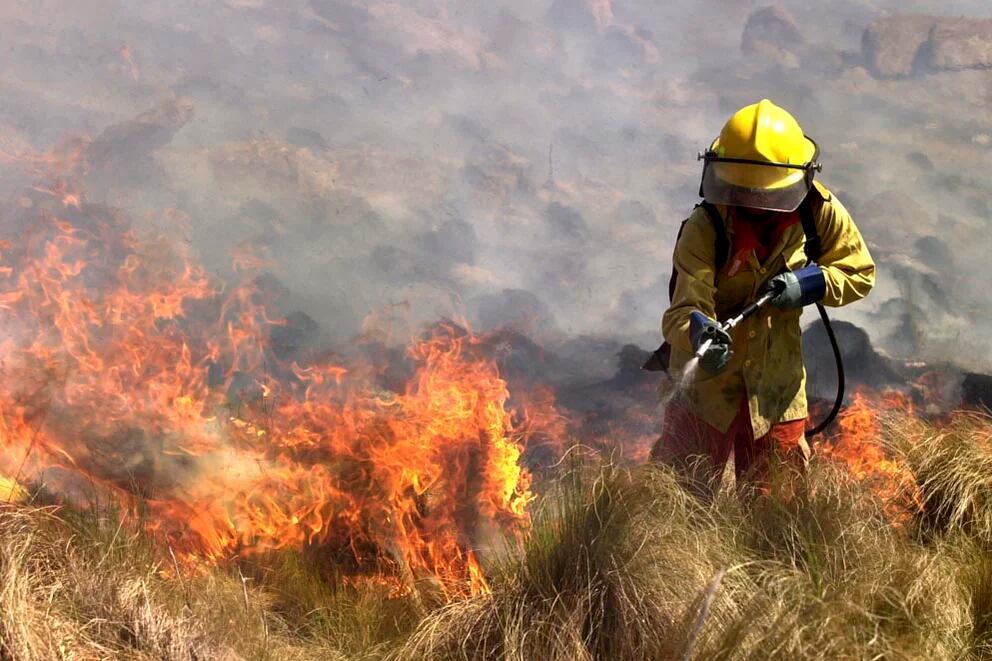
[(511, 161)]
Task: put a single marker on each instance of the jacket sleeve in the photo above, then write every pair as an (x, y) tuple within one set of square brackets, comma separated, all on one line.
[(847, 266), (693, 262)]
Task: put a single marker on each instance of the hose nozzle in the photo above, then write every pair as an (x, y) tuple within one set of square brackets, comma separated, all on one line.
[(704, 347), (710, 333)]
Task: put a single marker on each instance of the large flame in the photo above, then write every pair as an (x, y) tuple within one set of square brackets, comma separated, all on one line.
[(128, 372), (857, 443)]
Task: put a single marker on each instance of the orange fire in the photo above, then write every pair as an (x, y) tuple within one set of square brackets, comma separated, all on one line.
[(129, 372), (857, 444)]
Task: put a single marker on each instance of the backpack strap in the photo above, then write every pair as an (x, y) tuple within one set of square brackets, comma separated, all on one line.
[(660, 359), (722, 242), (813, 247), (675, 274)]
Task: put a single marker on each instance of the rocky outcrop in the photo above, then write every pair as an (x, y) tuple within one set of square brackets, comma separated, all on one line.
[(902, 45), (956, 44), (122, 144), (890, 44), (863, 364), (976, 391), (771, 29)]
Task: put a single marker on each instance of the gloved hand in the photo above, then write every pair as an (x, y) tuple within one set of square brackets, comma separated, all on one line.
[(797, 288), (701, 329)]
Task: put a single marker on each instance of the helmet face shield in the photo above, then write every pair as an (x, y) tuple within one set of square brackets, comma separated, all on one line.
[(786, 196), (757, 184)]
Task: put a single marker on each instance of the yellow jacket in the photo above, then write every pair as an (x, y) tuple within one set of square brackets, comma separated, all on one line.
[(767, 365)]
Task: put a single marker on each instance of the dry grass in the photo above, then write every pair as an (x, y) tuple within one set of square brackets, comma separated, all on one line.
[(624, 565), (620, 564), (75, 586), (638, 570), (953, 467)]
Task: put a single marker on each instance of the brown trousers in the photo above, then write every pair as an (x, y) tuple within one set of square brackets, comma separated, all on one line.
[(699, 452)]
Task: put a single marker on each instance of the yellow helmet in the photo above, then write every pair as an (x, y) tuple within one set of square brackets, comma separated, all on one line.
[(761, 160)]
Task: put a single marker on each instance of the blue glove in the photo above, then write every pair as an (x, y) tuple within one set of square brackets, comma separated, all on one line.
[(702, 328), (798, 288)]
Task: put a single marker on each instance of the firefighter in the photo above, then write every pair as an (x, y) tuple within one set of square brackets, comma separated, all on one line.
[(765, 224)]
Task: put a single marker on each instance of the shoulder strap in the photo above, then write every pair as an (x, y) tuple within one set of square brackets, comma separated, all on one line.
[(675, 274), (660, 359), (813, 247), (722, 243)]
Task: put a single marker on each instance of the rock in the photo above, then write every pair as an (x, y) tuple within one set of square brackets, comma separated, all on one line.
[(298, 332), (959, 43), (934, 253), (121, 144), (976, 391), (920, 160), (903, 326), (863, 365), (629, 361), (899, 46), (771, 29), (890, 44)]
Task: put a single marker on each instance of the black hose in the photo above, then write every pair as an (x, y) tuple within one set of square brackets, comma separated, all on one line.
[(840, 375)]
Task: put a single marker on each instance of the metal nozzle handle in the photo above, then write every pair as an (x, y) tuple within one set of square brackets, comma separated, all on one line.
[(733, 321), (765, 299)]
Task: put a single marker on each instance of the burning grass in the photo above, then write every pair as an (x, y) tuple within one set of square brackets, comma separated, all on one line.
[(255, 501), (132, 376), (620, 563)]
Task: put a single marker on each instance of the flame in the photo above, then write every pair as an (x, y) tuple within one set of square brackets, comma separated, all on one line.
[(130, 373), (857, 444)]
